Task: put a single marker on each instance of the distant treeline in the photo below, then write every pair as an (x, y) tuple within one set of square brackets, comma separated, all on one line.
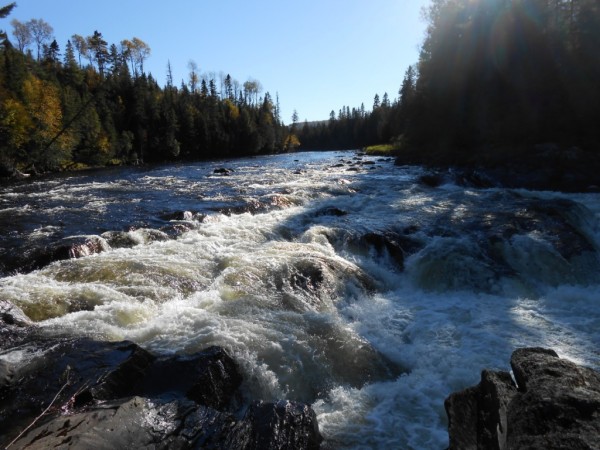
[(93, 104), (492, 74)]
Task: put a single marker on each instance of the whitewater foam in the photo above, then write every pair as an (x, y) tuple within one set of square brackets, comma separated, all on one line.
[(311, 310)]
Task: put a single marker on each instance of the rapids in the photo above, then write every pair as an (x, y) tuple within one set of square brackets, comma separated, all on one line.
[(365, 292)]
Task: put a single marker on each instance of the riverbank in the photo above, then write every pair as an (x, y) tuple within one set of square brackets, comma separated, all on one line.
[(547, 166)]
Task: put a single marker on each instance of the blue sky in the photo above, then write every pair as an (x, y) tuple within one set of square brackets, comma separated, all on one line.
[(318, 55)]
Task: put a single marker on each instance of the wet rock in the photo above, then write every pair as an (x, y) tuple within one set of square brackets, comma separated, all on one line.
[(151, 235), (187, 216), (118, 395), (330, 211), (474, 179), (296, 425), (133, 423), (386, 243), (431, 179), (223, 171), (42, 365), (12, 315), (209, 377), (555, 404), (120, 239), (67, 248), (122, 379), (141, 423)]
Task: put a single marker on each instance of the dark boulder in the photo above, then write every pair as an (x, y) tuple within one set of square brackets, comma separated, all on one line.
[(223, 171), (12, 315), (67, 248), (474, 178), (555, 404), (209, 377), (182, 216), (83, 367), (387, 243), (431, 179), (57, 392), (141, 423), (121, 239), (295, 424), (330, 211), (134, 423)]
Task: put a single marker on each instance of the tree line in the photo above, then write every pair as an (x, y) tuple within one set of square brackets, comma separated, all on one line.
[(93, 104), (386, 121), (492, 74)]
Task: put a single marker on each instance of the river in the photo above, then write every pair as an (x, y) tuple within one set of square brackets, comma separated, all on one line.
[(365, 292)]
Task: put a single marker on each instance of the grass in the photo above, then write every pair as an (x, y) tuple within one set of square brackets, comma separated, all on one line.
[(383, 149)]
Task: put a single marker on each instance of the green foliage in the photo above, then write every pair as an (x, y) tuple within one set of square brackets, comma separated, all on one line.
[(5, 10), (58, 113), (382, 149)]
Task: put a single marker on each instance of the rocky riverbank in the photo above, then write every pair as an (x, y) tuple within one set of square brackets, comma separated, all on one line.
[(551, 403), (74, 391), (546, 167)]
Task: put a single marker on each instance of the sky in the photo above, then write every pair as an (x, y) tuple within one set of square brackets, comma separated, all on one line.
[(317, 55)]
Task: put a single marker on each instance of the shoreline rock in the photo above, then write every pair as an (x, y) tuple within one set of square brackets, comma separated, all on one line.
[(551, 404), (57, 391)]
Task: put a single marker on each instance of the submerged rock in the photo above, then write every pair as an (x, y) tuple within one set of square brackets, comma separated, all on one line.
[(525, 242), (555, 404), (67, 248)]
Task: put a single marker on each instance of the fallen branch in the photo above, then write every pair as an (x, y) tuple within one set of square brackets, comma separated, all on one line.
[(41, 415)]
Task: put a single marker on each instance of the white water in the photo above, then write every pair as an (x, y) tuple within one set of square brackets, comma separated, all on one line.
[(311, 316)]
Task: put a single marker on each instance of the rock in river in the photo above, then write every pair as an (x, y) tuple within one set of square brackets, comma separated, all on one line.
[(77, 392)]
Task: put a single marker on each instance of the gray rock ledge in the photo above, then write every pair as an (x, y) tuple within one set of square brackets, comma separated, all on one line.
[(555, 404)]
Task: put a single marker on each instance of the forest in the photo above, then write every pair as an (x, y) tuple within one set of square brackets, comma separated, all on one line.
[(492, 75), (92, 104)]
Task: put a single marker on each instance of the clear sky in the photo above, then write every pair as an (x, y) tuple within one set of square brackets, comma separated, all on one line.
[(318, 55)]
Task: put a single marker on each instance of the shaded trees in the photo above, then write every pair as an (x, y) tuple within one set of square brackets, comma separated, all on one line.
[(499, 72)]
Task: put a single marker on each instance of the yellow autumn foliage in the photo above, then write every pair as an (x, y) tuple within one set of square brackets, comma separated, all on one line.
[(43, 106), (232, 110), (15, 123)]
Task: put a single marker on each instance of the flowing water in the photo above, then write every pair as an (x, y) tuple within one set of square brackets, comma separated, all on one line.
[(365, 293)]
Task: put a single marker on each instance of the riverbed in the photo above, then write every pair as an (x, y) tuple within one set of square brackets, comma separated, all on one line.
[(333, 278)]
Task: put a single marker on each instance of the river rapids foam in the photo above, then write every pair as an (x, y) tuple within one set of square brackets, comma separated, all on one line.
[(365, 293)]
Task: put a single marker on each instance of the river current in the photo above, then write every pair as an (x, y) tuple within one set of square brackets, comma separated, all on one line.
[(339, 280)]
